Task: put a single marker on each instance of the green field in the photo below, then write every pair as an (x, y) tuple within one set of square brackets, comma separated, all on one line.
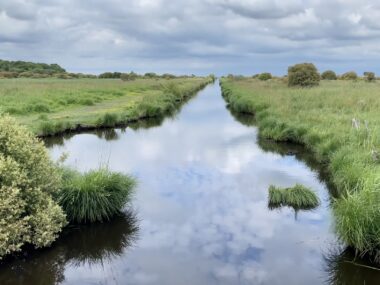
[(49, 106), (339, 121)]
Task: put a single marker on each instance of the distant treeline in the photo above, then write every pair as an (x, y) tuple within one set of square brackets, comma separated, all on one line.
[(132, 75), (27, 69), (24, 69), (305, 70)]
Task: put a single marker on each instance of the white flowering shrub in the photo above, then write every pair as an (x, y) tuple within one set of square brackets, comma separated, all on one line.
[(28, 179)]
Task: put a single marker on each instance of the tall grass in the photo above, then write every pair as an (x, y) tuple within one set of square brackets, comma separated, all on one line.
[(52, 106), (298, 197), (94, 196), (339, 123)]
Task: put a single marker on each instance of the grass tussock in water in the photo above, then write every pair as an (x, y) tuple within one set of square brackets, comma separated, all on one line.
[(297, 197), (338, 121), (94, 196)]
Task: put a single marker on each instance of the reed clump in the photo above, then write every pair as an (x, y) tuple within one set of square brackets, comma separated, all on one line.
[(297, 197), (94, 196)]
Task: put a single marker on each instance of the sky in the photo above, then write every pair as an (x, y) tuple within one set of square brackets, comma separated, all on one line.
[(193, 36)]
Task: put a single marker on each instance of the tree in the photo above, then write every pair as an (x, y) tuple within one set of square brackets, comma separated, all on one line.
[(369, 76), (303, 75), (351, 75), (265, 76), (128, 76), (329, 75)]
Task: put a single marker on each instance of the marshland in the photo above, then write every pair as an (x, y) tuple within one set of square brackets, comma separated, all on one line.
[(51, 106), (191, 194), (189, 142)]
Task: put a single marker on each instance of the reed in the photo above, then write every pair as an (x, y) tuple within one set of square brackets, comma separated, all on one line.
[(95, 196), (298, 197)]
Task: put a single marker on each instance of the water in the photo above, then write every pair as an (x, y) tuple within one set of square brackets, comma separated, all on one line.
[(200, 214)]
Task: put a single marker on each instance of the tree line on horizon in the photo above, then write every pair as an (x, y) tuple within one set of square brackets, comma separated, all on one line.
[(25, 69)]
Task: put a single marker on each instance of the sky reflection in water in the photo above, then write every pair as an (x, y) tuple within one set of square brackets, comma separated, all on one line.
[(201, 204)]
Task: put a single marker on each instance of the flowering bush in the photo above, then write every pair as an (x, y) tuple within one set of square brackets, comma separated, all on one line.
[(28, 181)]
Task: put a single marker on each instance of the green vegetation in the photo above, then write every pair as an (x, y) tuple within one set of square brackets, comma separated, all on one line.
[(51, 106), (264, 76), (297, 197), (350, 75), (23, 66), (36, 195), (95, 196), (369, 76), (28, 179), (110, 75), (329, 75), (303, 75), (339, 122), (128, 76)]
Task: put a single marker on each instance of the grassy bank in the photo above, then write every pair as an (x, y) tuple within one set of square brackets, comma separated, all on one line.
[(53, 106), (339, 122)]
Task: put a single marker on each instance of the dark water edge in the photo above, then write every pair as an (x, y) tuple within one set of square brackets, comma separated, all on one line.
[(200, 215)]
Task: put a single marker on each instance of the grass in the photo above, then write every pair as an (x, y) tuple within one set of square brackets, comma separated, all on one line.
[(95, 196), (52, 106), (298, 197), (339, 123)]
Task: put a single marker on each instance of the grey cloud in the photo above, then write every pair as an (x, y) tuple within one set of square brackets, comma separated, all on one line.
[(263, 9), (221, 36)]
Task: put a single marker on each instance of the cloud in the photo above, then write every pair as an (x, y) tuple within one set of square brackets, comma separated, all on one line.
[(221, 36), (262, 9)]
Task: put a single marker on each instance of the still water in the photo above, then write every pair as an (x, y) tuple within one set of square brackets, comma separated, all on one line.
[(200, 213)]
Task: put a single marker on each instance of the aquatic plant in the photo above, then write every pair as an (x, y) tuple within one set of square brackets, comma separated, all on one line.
[(28, 214), (297, 197), (108, 120), (94, 196), (275, 198)]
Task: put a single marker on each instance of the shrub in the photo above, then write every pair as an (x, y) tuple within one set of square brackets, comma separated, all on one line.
[(369, 76), (110, 75), (150, 75), (265, 76), (303, 74), (351, 75), (7, 74), (28, 179), (168, 76), (329, 75), (128, 76), (94, 196)]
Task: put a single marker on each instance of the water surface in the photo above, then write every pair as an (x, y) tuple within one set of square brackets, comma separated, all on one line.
[(199, 214)]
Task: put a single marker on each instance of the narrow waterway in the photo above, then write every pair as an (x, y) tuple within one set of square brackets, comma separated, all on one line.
[(200, 213)]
